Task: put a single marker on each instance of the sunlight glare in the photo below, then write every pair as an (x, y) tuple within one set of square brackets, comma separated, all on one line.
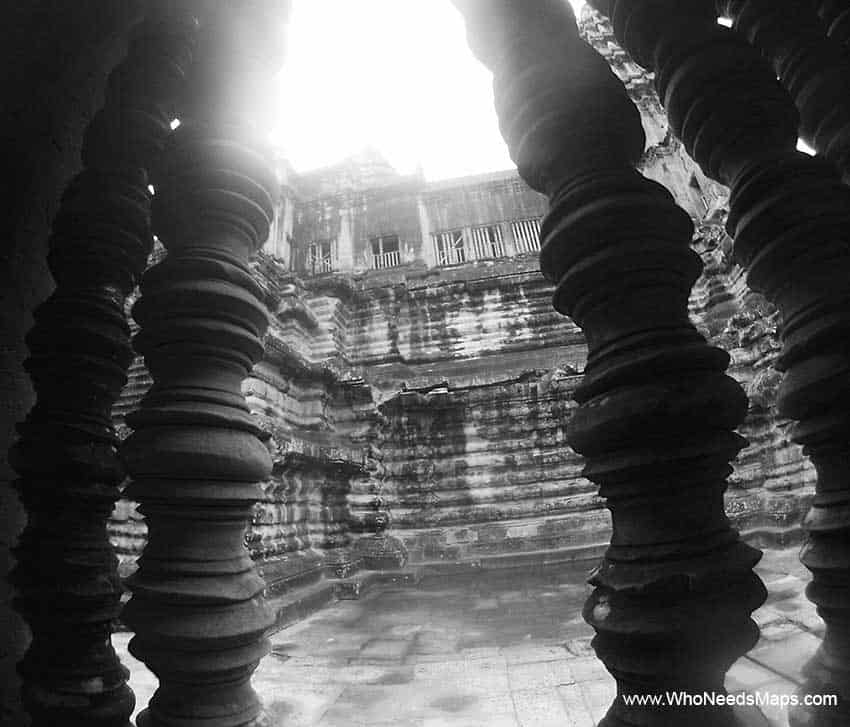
[(805, 148), (395, 75)]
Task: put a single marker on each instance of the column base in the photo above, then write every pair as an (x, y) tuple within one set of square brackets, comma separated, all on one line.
[(144, 719), (341, 563), (381, 552)]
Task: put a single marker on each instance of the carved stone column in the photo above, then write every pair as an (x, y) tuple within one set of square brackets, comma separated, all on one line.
[(194, 456), (675, 591), (790, 216), (814, 68), (66, 575)]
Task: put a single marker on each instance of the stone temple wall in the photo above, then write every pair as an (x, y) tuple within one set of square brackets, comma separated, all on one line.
[(440, 399), (421, 409), (483, 470), (474, 376)]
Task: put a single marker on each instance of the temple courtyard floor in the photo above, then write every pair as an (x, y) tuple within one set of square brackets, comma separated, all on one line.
[(494, 648)]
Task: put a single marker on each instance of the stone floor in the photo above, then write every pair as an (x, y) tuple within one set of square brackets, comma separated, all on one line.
[(501, 649)]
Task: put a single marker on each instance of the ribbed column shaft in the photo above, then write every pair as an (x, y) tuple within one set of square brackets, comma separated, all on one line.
[(790, 217), (674, 594), (814, 68), (66, 575), (194, 455)]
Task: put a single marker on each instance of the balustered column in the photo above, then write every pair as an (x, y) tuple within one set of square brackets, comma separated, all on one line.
[(790, 217), (813, 67), (66, 576), (194, 455), (675, 592)]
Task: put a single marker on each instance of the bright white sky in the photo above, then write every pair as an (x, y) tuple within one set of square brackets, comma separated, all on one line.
[(393, 74)]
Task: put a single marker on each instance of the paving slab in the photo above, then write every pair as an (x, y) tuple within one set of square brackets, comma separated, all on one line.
[(540, 707), (576, 706), (598, 695), (382, 650), (488, 649), (786, 657), (748, 676), (540, 674), (526, 653)]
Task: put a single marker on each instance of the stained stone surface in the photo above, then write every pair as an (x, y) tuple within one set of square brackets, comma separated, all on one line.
[(440, 398), (489, 648)]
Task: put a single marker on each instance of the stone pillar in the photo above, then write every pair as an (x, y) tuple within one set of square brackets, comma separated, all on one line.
[(66, 576), (675, 592), (813, 67), (789, 216), (194, 456)]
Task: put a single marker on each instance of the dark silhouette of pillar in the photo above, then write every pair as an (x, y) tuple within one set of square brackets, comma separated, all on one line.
[(836, 16), (814, 68), (66, 576), (674, 594), (790, 218), (194, 455)]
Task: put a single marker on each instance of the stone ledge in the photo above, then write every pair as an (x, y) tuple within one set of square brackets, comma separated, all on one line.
[(295, 605), (536, 559)]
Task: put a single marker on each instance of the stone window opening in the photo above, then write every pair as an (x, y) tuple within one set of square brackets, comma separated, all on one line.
[(464, 466), (526, 234), (321, 257), (450, 247), (386, 252), (487, 242), (453, 247)]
